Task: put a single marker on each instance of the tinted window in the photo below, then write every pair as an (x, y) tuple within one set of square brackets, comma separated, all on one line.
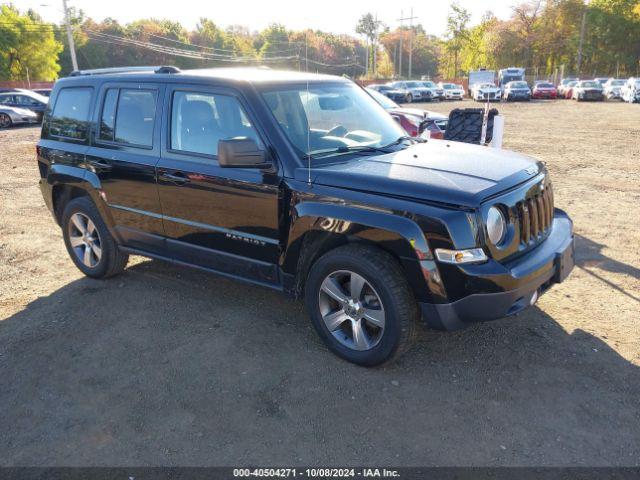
[(26, 101), (108, 118), (135, 117), (200, 120), (71, 113), (6, 99)]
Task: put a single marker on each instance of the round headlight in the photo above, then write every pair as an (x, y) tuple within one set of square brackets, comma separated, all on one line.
[(496, 225)]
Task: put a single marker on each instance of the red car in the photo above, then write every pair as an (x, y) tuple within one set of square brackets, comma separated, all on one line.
[(566, 91), (414, 120), (544, 90)]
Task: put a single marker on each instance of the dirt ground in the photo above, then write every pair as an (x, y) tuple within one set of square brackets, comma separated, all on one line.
[(168, 366)]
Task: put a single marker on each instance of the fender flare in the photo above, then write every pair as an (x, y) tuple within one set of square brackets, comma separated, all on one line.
[(77, 177), (396, 234)]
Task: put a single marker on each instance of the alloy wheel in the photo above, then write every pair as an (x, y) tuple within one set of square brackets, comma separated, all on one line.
[(85, 240), (5, 120), (352, 310)]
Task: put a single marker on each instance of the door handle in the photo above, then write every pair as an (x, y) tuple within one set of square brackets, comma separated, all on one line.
[(102, 166), (177, 177)]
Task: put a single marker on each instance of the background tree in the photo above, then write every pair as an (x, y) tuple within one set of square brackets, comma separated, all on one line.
[(27, 47), (368, 26), (457, 22)]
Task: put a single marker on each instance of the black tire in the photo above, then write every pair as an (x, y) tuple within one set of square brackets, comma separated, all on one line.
[(112, 260), (5, 121), (383, 273), (408, 98)]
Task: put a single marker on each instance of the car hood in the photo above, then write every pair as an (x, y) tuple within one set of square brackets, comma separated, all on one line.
[(438, 171)]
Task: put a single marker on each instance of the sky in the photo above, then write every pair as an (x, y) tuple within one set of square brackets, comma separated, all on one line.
[(336, 16)]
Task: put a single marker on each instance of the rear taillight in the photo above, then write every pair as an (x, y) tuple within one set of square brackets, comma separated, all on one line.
[(409, 126)]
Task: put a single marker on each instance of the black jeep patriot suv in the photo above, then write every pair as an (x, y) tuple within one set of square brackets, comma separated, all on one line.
[(304, 184)]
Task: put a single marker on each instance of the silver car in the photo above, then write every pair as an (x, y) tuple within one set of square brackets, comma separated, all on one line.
[(612, 88), (14, 116)]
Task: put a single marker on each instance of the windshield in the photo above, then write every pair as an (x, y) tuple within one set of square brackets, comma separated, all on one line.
[(429, 84), (383, 100), (617, 83), (331, 118), (448, 86), (413, 85), (544, 85), (486, 85), (589, 85), (518, 85)]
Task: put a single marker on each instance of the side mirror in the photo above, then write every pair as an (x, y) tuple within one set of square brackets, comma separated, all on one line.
[(240, 153)]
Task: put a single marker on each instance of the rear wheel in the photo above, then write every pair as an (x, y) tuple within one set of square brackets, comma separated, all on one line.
[(5, 120), (91, 247), (361, 305)]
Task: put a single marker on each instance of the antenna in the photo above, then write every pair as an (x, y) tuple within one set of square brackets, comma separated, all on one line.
[(306, 67)]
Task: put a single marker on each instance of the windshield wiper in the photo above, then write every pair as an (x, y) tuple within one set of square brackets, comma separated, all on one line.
[(353, 149), (366, 148)]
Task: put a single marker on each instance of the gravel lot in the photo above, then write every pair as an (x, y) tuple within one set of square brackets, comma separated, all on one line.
[(168, 366)]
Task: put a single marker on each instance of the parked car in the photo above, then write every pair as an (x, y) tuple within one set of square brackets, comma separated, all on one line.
[(411, 93), (452, 91), (437, 93), (25, 99), (481, 76), (333, 204), (517, 90), (415, 121), (45, 92), (612, 88), (391, 92), (630, 92), (587, 90), (565, 81), (544, 90), (566, 91), (485, 91), (10, 116)]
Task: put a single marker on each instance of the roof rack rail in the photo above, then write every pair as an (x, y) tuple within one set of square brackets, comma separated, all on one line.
[(106, 71)]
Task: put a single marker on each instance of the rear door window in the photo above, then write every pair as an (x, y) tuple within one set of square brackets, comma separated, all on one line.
[(70, 116), (135, 117), (128, 117)]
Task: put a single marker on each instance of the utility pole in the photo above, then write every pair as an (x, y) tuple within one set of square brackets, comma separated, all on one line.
[(375, 49), (401, 37), (410, 18), (581, 43), (72, 46)]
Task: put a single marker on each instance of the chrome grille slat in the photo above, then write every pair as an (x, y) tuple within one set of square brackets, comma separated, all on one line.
[(533, 208), (535, 216)]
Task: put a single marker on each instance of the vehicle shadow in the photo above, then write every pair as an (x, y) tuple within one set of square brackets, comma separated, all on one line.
[(589, 254), (168, 366)]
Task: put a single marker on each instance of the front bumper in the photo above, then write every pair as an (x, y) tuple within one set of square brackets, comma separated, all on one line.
[(522, 281)]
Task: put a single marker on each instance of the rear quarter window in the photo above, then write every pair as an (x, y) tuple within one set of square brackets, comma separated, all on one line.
[(70, 115)]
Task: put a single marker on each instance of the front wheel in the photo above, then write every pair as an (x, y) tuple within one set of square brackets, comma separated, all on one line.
[(5, 120), (361, 305), (408, 98), (88, 240)]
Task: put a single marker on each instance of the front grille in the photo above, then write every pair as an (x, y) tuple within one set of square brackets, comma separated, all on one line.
[(535, 215)]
